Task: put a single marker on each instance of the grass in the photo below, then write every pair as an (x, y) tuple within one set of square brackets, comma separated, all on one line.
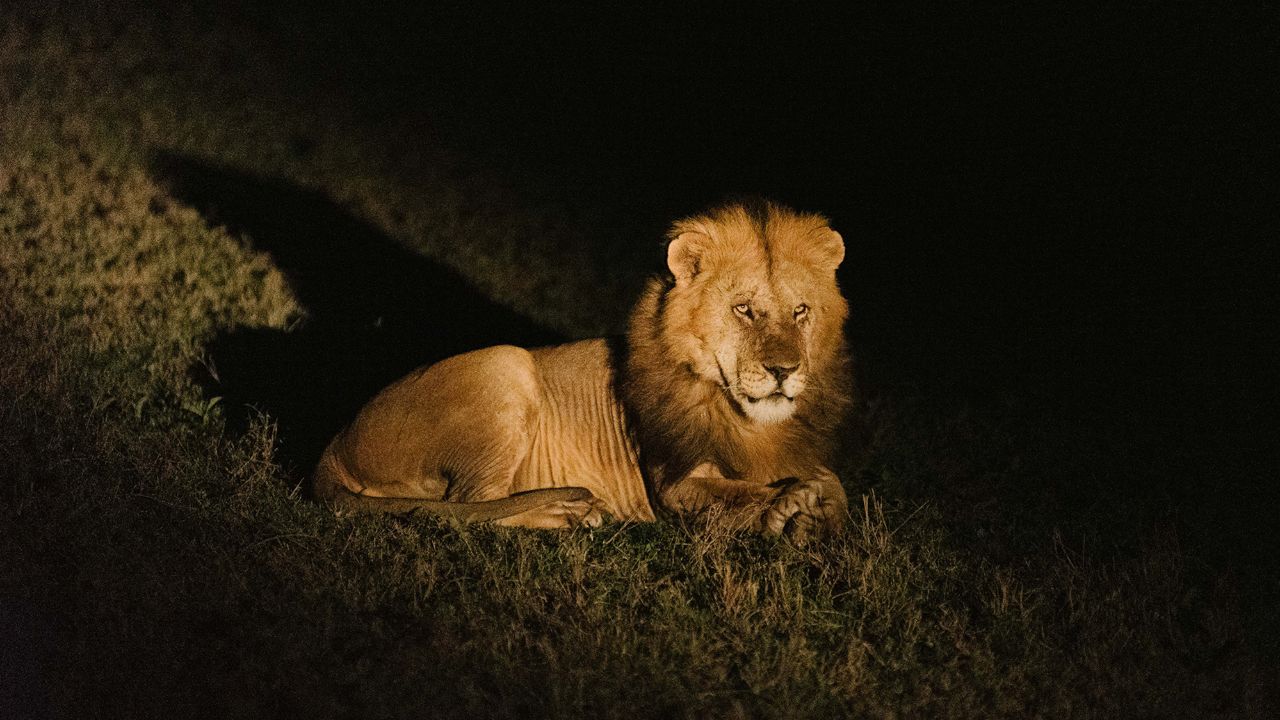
[(160, 562)]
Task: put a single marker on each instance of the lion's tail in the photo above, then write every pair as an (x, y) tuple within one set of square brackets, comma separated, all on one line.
[(327, 485)]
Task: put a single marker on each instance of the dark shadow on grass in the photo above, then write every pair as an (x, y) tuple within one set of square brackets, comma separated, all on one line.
[(375, 310)]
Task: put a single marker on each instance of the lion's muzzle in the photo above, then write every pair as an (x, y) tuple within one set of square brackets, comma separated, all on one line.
[(766, 393)]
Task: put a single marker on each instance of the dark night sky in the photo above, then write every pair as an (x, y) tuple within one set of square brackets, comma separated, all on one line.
[(1059, 191)]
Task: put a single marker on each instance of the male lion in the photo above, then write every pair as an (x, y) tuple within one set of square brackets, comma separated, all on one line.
[(724, 396)]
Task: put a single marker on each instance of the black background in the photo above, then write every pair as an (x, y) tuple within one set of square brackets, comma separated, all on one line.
[(1020, 184), (1073, 207)]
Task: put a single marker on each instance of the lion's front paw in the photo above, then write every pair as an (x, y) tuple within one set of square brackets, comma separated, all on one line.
[(805, 508)]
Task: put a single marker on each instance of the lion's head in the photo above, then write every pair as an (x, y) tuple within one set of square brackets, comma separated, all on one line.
[(755, 307), (743, 342)]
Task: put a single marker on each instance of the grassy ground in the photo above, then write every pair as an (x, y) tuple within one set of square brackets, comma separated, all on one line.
[(159, 561)]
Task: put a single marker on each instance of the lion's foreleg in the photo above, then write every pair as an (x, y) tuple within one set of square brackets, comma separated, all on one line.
[(705, 489)]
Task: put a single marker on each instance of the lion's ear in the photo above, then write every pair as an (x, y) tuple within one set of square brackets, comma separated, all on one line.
[(832, 248), (684, 255)]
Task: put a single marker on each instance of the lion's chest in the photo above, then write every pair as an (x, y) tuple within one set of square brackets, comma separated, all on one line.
[(753, 453)]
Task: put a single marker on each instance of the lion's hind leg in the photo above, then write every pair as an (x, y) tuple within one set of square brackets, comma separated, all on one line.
[(558, 508), (548, 508), (449, 441)]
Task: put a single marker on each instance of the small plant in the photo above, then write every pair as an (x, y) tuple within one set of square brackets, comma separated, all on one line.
[(206, 410)]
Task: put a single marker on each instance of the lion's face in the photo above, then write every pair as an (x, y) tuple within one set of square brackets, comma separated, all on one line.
[(755, 309)]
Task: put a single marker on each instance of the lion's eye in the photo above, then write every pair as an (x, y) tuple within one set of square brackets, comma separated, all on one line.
[(801, 311), (744, 310)]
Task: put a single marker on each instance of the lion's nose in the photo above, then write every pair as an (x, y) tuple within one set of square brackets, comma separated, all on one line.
[(782, 371)]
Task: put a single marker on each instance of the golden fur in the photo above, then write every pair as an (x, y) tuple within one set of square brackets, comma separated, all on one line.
[(726, 394)]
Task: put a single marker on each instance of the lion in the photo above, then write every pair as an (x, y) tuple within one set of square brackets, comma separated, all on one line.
[(724, 396)]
